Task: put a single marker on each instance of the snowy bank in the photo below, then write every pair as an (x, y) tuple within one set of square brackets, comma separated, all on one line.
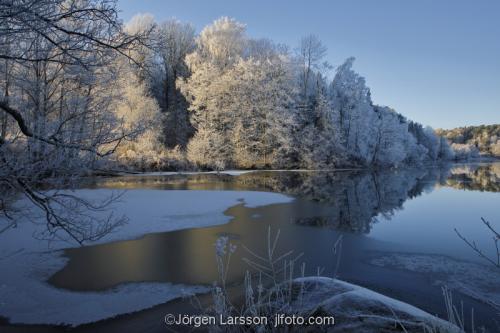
[(26, 263), (357, 309)]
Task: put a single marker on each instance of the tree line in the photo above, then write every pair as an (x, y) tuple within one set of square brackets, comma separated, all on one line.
[(472, 141), (226, 100)]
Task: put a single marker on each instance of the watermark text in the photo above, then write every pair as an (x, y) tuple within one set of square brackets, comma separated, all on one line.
[(275, 321)]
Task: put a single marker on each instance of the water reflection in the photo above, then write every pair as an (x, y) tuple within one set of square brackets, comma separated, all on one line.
[(485, 177), (340, 202), (354, 199), (347, 201), (328, 204), (319, 186)]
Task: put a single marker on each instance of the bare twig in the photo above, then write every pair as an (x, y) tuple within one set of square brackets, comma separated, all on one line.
[(472, 244)]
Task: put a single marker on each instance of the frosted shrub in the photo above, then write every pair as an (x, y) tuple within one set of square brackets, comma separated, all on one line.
[(158, 158)]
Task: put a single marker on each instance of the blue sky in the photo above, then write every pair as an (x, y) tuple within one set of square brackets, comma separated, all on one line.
[(436, 62)]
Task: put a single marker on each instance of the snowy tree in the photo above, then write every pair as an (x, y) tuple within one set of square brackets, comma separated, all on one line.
[(320, 139), (446, 153), (266, 119), (174, 40), (309, 54), (58, 104), (393, 142), (351, 100), (378, 136), (251, 116), (263, 48), (138, 113), (495, 149), (434, 145), (143, 53), (222, 43), (465, 151), (208, 148), (218, 48), (241, 102)]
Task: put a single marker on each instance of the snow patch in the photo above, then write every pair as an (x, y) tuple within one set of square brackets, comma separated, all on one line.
[(357, 309)]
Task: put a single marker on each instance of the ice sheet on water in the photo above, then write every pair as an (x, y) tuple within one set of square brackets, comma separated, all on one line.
[(26, 263), (479, 281)]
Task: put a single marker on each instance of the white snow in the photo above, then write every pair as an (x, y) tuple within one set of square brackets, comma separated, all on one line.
[(26, 263), (357, 309)]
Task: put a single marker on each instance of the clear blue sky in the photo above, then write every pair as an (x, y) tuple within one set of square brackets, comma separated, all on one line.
[(434, 61)]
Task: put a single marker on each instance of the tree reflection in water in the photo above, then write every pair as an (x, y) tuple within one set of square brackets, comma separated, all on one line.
[(355, 197)]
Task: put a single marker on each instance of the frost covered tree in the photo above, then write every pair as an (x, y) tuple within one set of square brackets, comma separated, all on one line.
[(143, 53), (219, 47), (173, 41), (135, 106), (464, 151), (320, 139), (352, 101), (263, 132), (222, 43), (57, 104), (436, 146), (495, 148), (309, 55), (377, 136), (249, 123), (242, 104), (138, 112), (393, 143), (310, 70)]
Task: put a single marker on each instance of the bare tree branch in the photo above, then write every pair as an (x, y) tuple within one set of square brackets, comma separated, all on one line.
[(475, 247)]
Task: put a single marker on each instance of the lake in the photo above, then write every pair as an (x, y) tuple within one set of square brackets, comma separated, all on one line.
[(396, 229)]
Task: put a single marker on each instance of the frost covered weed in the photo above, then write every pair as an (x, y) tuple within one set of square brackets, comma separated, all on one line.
[(266, 293), (223, 251), (456, 315), (269, 291)]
